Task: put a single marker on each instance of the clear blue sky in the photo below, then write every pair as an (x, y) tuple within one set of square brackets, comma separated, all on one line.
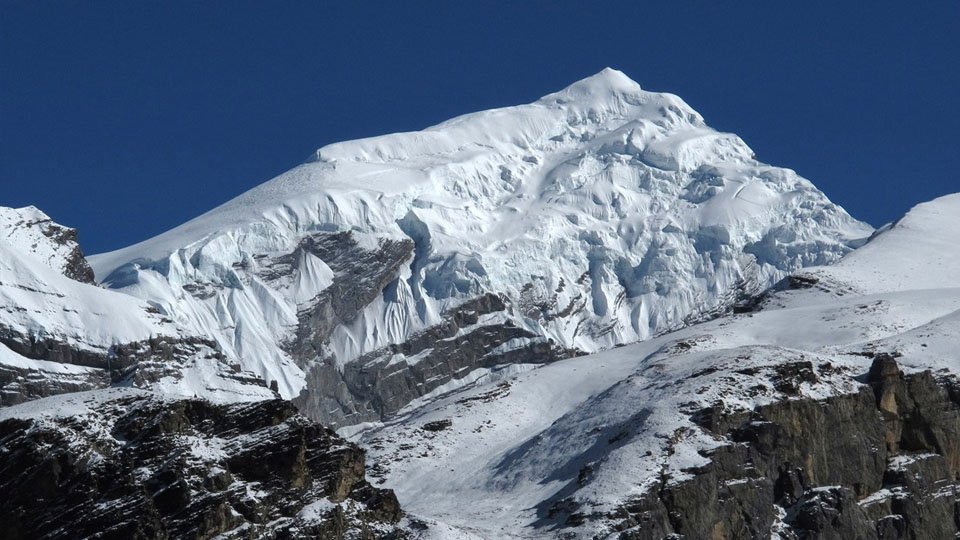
[(124, 119)]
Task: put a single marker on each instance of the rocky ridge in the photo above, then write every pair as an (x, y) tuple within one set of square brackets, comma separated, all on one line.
[(50, 242)]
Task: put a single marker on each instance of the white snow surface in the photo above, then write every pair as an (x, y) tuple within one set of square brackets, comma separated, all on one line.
[(924, 243), (38, 302), (518, 444), (617, 211)]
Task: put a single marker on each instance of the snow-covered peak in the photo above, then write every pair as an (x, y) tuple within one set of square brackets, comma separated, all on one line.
[(31, 231), (39, 301), (592, 106), (607, 81), (611, 92), (59, 334), (605, 214), (27, 213), (478, 159)]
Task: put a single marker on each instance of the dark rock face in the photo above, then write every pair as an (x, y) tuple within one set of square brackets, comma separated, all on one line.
[(438, 425), (21, 384), (831, 513), (375, 386), (882, 463), (117, 358), (143, 467), (76, 266)]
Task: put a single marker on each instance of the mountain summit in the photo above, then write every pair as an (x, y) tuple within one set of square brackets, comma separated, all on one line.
[(598, 215)]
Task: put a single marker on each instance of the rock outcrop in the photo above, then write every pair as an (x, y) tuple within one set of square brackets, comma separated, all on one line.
[(880, 463), (359, 276), (128, 464), (53, 244), (24, 383)]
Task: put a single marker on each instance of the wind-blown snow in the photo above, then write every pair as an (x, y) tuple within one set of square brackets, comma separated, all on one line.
[(614, 212), (519, 444)]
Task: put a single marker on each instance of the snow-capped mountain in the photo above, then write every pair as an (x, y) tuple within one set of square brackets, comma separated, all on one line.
[(591, 316), (118, 423), (390, 268), (791, 420)]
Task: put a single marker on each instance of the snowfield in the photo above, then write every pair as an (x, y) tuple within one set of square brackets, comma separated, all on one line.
[(39, 300)]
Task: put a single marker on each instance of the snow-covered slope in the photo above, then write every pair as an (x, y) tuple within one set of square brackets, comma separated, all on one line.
[(431, 291), (601, 214), (918, 251), (41, 301), (60, 334), (581, 444)]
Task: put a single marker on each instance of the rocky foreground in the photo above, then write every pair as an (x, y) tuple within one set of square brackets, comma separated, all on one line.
[(124, 464)]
